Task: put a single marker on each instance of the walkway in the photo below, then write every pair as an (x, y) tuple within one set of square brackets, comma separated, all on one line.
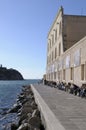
[(69, 110)]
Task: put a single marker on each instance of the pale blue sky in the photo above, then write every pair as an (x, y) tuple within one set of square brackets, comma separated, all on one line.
[(24, 25)]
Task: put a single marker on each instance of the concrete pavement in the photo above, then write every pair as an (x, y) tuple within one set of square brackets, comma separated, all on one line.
[(60, 110)]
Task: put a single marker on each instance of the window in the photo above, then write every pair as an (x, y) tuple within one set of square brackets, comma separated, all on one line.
[(54, 75), (82, 71), (77, 56), (48, 47), (51, 76), (71, 73), (56, 35), (59, 49), (55, 53), (85, 70), (60, 28), (52, 55), (47, 60), (50, 43), (58, 75), (52, 40), (64, 74), (68, 61), (50, 58)]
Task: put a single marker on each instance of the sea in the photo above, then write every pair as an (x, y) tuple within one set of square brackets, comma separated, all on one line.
[(9, 91)]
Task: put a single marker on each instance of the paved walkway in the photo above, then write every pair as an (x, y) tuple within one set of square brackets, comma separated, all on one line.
[(70, 110)]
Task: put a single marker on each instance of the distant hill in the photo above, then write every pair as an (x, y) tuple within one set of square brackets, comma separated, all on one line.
[(10, 74)]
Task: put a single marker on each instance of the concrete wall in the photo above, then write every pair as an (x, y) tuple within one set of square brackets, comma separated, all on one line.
[(78, 48), (73, 58), (74, 29)]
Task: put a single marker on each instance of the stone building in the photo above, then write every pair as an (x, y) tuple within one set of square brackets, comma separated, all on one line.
[(66, 49)]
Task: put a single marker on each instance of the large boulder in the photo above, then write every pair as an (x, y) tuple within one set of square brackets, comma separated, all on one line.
[(24, 126), (35, 122), (14, 126), (15, 108)]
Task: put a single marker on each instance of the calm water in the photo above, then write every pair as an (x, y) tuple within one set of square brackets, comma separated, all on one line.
[(9, 91)]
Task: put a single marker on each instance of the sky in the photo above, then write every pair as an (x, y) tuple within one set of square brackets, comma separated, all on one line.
[(24, 26)]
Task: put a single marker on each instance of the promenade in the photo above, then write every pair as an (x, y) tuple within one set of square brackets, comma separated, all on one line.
[(60, 110)]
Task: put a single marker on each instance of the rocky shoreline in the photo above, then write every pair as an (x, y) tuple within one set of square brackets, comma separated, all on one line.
[(27, 111)]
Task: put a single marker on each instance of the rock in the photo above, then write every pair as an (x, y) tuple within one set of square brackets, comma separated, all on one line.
[(42, 127), (24, 86), (36, 113), (24, 101), (21, 97), (22, 117), (29, 115), (30, 104), (24, 126), (27, 104), (4, 111), (14, 109), (14, 126), (32, 97), (35, 122), (19, 111), (34, 105), (19, 114), (26, 110)]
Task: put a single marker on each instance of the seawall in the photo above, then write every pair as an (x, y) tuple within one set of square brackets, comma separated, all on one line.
[(59, 109), (49, 120)]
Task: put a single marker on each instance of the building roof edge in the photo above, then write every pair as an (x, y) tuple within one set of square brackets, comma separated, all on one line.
[(60, 10)]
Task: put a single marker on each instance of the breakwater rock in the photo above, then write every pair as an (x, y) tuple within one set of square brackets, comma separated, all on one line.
[(27, 111)]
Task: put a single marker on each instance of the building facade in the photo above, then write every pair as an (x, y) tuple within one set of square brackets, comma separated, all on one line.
[(66, 56)]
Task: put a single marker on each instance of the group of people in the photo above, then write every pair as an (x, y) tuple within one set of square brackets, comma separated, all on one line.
[(73, 88), (70, 87)]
